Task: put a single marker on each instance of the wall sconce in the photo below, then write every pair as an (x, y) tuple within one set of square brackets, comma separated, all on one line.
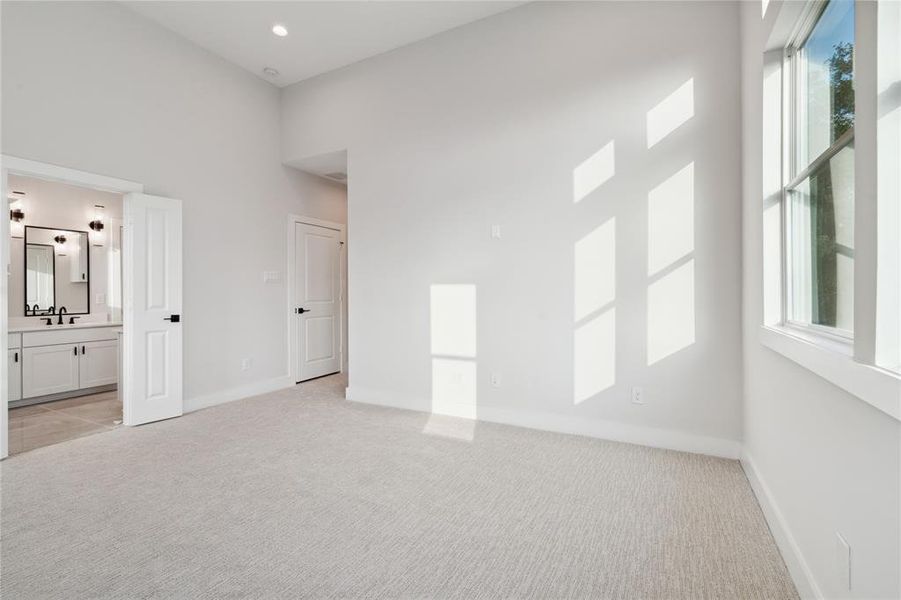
[(16, 216), (97, 225)]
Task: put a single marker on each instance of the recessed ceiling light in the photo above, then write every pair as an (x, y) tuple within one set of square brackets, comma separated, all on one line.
[(280, 30), (271, 72)]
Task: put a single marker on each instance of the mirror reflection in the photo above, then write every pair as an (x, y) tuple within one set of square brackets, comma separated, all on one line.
[(56, 271)]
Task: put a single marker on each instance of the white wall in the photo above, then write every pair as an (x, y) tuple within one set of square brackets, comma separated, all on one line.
[(92, 86), (829, 462), (57, 205), (489, 124)]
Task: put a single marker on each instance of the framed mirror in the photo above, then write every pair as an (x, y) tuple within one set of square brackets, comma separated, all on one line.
[(57, 271)]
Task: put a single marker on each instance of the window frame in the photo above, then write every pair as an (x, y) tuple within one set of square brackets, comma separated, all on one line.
[(792, 178)]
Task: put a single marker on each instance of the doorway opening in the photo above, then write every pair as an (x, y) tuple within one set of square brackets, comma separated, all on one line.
[(316, 297), (90, 313), (64, 312)]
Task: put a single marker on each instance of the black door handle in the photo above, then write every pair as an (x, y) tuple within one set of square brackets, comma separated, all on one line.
[(300, 311), (15, 357), (82, 349), (76, 350), (173, 318)]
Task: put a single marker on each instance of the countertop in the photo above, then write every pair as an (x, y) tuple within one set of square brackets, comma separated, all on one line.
[(42, 327)]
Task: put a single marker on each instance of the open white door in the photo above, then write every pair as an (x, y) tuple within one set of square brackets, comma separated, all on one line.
[(152, 299)]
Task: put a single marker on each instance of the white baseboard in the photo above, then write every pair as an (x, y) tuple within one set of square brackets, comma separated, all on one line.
[(596, 428), (791, 552), (237, 393)]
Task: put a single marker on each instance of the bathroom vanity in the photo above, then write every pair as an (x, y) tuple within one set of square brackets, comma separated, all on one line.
[(51, 362)]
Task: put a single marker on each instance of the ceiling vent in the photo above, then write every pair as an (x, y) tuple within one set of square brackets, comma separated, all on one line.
[(337, 176)]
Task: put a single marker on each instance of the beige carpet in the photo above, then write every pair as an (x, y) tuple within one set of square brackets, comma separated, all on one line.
[(301, 494)]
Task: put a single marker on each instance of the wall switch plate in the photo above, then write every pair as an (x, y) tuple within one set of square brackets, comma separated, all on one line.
[(637, 395), (496, 380), (246, 363), (271, 276), (495, 232), (842, 562)]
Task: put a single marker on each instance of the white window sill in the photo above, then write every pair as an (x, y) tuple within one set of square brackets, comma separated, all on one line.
[(833, 361)]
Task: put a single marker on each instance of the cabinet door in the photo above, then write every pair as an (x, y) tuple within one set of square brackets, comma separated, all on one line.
[(97, 363), (49, 370), (15, 374), (78, 258)]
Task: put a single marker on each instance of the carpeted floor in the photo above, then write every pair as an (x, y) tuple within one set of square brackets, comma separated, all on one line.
[(301, 494)]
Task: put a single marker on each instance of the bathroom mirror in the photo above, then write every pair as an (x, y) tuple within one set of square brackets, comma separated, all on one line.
[(56, 271)]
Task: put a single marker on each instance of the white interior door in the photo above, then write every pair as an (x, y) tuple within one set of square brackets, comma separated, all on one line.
[(317, 301), (152, 299)]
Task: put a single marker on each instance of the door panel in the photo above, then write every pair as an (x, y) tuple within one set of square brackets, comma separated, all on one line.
[(14, 370), (97, 364), (317, 292), (152, 272), (49, 370), (320, 339)]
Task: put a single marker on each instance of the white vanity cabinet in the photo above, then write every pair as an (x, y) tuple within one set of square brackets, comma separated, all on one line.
[(78, 259), (14, 366), (49, 370), (59, 361), (98, 363), (15, 374)]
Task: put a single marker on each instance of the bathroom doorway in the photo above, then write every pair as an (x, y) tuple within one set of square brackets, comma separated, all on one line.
[(91, 312), (64, 312)]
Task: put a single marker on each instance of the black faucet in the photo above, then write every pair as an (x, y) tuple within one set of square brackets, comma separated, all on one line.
[(62, 310)]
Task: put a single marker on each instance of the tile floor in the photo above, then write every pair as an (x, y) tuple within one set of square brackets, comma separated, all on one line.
[(41, 425)]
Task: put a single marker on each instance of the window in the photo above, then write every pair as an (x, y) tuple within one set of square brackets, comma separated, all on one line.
[(818, 195)]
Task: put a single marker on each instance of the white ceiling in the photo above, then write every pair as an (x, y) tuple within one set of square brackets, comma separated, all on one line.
[(322, 36)]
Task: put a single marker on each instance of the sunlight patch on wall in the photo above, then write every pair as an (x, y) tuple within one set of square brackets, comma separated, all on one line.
[(671, 113), (671, 313), (453, 320), (594, 356), (595, 270), (593, 172), (671, 218), (454, 387), (453, 348)]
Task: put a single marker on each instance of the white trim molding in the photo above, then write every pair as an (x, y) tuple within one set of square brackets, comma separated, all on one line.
[(668, 439), (877, 387), (791, 553), (33, 168)]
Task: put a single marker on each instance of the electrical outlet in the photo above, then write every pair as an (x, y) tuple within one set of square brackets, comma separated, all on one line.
[(637, 395), (496, 380), (842, 562), (100, 299), (246, 363), (495, 232)]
